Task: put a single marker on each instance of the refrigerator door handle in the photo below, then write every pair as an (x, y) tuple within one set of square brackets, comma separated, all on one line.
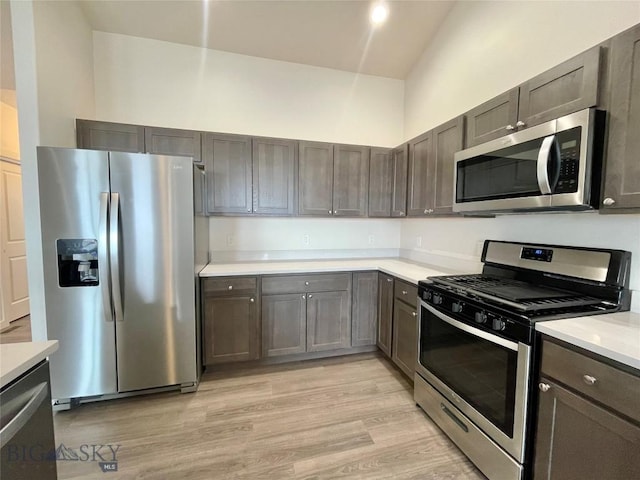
[(103, 257), (114, 253)]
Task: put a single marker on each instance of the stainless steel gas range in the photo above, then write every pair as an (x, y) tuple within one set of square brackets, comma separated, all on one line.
[(477, 346)]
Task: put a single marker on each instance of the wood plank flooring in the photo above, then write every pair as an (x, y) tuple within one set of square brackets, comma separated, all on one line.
[(348, 417), (17, 331)]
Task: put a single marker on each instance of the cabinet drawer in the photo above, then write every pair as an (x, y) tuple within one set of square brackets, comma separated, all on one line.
[(306, 283), (406, 292), (612, 387), (230, 285)]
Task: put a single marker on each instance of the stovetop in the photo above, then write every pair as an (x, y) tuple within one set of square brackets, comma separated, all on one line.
[(523, 297)]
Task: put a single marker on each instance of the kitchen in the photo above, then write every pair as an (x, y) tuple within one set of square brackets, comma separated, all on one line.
[(118, 78)]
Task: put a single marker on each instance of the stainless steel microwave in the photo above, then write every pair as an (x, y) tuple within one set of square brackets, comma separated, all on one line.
[(552, 166)]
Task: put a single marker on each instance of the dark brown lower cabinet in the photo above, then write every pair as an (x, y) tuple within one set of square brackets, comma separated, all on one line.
[(364, 314), (231, 329), (405, 337), (328, 321), (284, 324), (576, 439), (385, 313)]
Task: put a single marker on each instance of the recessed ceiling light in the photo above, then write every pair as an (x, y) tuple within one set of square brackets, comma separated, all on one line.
[(379, 13)]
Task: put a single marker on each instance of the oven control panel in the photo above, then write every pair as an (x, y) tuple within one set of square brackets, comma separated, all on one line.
[(477, 314)]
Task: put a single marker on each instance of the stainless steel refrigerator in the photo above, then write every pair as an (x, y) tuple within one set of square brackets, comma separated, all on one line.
[(123, 240)]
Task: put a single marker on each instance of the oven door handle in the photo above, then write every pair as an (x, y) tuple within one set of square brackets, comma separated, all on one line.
[(473, 331)]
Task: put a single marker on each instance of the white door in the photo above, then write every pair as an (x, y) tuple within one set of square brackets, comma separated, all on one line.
[(13, 260)]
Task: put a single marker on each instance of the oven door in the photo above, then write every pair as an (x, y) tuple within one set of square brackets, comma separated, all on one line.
[(485, 376)]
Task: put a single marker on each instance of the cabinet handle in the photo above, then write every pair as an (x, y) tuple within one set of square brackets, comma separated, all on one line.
[(306, 283), (589, 380), (310, 296), (230, 287), (252, 300), (404, 292), (544, 387), (402, 214), (608, 201), (415, 314), (389, 280), (329, 212), (248, 210), (426, 211), (520, 124), (510, 127), (303, 297)]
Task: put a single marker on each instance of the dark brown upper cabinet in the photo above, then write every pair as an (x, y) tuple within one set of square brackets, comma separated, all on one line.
[(400, 158), (315, 178), (171, 141), (228, 171), (418, 186), (493, 119), (350, 180), (380, 182), (388, 182), (120, 137), (431, 167), (622, 170), (447, 140), (274, 168), (333, 180), (571, 86)]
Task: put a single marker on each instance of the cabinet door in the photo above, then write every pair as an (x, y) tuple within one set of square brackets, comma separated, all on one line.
[(419, 194), (380, 182), (315, 178), (284, 325), (564, 89), (350, 181), (274, 162), (110, 136), (228, 169), (577, 439), (328, 321), (400, 158), (171, 141), (622, 169), (405, 337), (364, 317), (230, 329), (385, 313), (447, 140), (493, 119)]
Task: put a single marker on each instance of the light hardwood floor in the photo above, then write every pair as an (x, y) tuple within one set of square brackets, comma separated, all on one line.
[(350, 417), (17, 331)]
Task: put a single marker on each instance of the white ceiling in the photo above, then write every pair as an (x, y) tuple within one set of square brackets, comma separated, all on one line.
[(333, 34)]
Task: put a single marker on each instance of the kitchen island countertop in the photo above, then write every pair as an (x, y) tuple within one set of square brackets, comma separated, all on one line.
[(403, 269), (17, 358), (615, 335)]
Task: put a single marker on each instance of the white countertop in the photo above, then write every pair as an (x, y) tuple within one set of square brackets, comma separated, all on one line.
[(17, 358), (615, 335), (403, 269)]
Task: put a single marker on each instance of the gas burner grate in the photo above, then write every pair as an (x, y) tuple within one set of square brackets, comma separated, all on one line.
[(523, 296)]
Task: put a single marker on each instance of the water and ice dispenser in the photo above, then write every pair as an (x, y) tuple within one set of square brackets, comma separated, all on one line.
[(77, 262)]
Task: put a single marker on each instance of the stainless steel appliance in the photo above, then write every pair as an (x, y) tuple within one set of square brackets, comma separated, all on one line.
[(477, 343), (552, 166), (122, 243), (27, 443)]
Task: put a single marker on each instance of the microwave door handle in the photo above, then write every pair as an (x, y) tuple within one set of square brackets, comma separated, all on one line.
[(543, 164)]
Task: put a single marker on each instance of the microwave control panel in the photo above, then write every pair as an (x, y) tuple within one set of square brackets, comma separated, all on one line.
[(569, 161)]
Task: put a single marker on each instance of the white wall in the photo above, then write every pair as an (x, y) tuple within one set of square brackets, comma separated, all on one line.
[(483, 49), (53, 55), (160, 83), (286, 238)]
